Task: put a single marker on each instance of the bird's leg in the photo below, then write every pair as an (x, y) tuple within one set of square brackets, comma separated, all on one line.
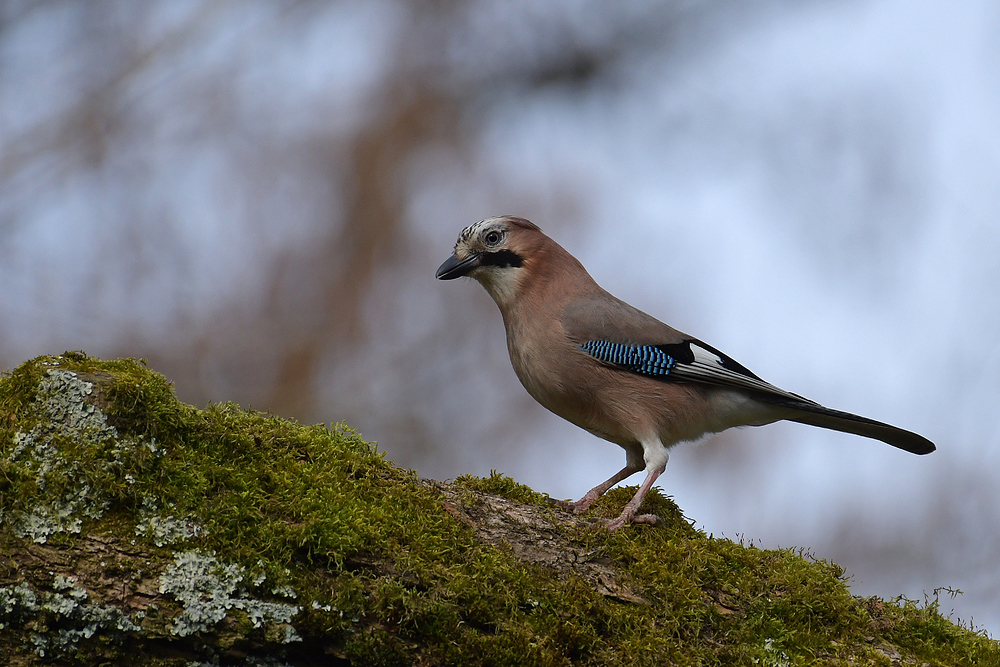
[(584, 503), (655, 456), (628, 514)]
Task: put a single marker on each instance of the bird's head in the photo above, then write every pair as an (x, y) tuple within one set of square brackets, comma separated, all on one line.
[(494, 251)]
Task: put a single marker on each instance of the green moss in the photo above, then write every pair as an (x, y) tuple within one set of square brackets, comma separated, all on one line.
[(283, 540), (501, 485)]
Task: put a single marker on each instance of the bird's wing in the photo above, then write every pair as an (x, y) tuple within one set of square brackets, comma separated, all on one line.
[(621, 336)]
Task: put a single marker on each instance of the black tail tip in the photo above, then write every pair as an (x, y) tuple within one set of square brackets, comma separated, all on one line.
[(918, 445)]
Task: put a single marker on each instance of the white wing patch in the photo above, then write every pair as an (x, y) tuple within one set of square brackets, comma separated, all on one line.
[(710, 368), (703, 356)]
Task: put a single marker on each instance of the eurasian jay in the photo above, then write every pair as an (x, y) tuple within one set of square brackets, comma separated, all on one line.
[(617, 372)]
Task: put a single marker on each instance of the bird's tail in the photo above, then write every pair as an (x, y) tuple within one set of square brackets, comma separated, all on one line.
[(817, 415)]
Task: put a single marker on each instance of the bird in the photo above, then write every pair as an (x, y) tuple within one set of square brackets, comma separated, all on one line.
[(617, 372)]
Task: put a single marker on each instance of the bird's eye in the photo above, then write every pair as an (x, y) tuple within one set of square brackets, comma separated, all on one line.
[(493, 237)]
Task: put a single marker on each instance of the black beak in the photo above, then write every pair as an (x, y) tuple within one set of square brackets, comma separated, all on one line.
[(454, 267)]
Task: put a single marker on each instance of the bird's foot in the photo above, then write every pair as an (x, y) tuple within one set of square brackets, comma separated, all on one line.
[(581, 505), (614, 524)]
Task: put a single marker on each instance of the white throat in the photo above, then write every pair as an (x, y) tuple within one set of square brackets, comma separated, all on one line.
[(501, 283)]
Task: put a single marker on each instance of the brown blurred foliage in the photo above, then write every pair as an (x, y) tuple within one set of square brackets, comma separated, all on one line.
[(151, 115)]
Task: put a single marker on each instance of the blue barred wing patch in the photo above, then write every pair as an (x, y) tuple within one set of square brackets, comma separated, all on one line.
[(643, 359)]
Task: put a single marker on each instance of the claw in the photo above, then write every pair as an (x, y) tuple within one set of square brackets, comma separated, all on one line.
[(562, 504)]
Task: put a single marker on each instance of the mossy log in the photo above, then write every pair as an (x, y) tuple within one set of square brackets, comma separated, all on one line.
[(135, 529)]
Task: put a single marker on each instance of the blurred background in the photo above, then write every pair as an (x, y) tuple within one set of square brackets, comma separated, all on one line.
[(254, 196)]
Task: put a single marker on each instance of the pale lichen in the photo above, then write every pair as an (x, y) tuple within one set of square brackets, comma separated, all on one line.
[(64, 416), (17, 603), (66, 498), (165, 530), (207, 589), (285, 592), (68, 607)]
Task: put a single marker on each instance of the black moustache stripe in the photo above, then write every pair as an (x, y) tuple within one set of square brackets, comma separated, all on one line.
[(501, 258)]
